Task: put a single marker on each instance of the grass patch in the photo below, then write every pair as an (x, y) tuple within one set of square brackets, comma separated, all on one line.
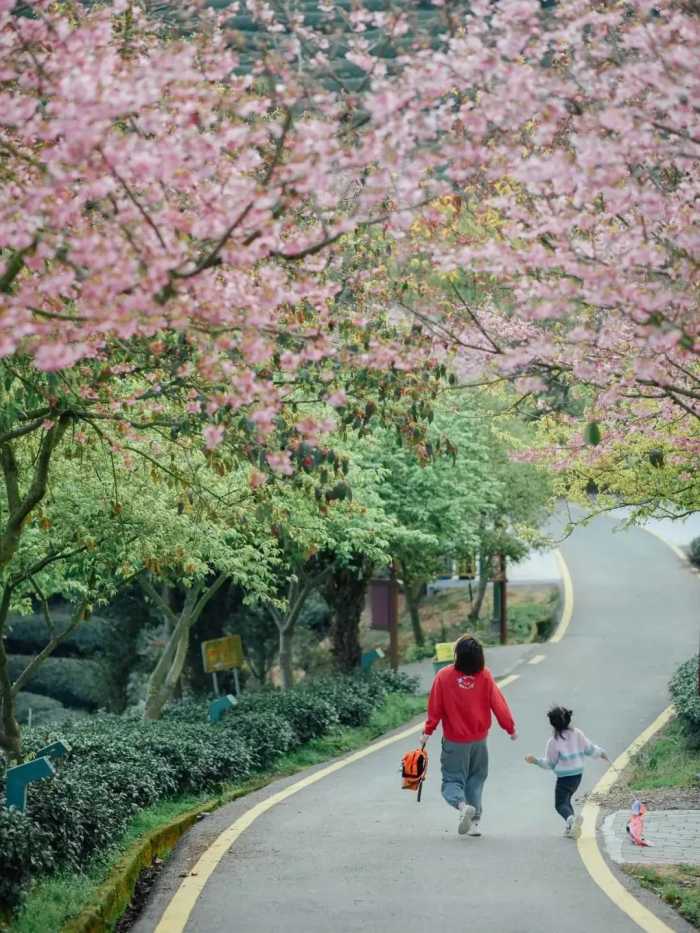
[(669, 760), (52, 902), (677, 885)]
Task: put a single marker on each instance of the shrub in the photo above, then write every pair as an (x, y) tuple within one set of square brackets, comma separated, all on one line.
[(24, 852), (684, 693), (267, 735), (29, 634), (74, 681), (352, 702), (118, 765), (42, 707), (309, 715), (694, 552)]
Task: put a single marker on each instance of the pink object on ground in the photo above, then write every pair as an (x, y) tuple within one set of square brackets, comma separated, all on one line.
[(635, 826)]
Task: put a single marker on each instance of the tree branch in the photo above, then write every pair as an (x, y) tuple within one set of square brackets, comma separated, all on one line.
[(155, 596), (212, 258), (207, 596), (15, 264), (48, 649), (20, 432)]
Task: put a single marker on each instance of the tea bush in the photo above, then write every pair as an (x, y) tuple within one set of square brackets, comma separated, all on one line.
[(684, 693)]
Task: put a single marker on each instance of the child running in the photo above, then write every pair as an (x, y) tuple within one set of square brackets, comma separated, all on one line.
[(564, 755), (463, 696)]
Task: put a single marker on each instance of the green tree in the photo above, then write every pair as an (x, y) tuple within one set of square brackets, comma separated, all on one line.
[(104, 522), (512, 526), (322, 533), (437, 493)]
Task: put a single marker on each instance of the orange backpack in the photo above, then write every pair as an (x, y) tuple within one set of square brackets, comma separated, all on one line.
[(414, 767)]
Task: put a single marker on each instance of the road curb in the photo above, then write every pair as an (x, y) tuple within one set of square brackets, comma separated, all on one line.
[(115, 893), (589, 849)]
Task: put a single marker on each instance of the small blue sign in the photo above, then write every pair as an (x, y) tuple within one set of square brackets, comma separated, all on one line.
[(58, 749), (17, 779), (370, 657), (221, 705)]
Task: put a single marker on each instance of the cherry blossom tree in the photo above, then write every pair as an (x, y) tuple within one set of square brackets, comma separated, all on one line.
[(169, 262), (569, 262)]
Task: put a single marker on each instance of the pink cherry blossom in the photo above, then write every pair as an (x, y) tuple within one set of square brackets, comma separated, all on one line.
[(213, 435), (280, 462)]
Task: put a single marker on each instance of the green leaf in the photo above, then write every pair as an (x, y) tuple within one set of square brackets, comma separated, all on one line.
[(592, 434)]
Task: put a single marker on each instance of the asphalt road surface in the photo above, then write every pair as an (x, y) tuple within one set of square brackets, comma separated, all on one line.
[(355, 853)]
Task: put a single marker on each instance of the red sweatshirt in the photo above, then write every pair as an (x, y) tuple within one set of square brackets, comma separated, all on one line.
[(464, 703)]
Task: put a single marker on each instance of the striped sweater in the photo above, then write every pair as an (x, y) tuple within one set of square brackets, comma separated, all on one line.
[(565, 754)]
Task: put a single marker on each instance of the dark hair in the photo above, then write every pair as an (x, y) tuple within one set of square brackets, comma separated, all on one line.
[(559, 719), (469, 655)]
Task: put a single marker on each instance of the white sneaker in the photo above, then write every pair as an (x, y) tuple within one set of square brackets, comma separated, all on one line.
[(474, 829), (569, 825), (465, 819)]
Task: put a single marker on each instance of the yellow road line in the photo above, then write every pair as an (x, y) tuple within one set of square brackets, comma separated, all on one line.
[(588, 843), (508, 680), (568, 608), (177, 913), (538, 659)]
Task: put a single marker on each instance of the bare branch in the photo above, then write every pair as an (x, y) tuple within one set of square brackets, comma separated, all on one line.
[(134, 200), (21, 432), (48, 649), (154, 595), (14, 266), (44, 607)]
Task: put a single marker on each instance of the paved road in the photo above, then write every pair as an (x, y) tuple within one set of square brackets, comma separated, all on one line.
[(354, 853)]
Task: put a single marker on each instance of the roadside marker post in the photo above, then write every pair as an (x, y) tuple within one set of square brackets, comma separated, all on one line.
[(58, 749), (18, 778), (221, 705), (369, 657)]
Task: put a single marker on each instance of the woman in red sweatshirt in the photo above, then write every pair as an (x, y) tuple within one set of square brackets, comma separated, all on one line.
[(463, 696)]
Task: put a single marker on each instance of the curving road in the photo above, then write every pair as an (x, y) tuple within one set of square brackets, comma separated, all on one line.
[(354, 853)]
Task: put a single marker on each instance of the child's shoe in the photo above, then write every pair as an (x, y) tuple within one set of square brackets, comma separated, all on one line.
[(568, 829), (474, 829), (465, 819)]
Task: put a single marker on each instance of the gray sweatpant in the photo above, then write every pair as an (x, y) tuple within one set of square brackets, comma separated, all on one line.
[(465, 767)]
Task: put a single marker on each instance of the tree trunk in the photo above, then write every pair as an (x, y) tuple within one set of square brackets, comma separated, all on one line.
[(414, 596), (286, 631), (10, 739), (166, 674), (346, 593), (20, 506), (162, 681), (475, 611), (298, 591), (10, 736)]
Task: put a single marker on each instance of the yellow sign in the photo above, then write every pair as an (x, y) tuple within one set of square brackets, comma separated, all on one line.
[(445, 651), (222, 654)]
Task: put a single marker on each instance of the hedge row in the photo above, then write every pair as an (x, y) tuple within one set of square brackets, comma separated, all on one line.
[(684, 693), (28, 635), (118, 765), (76, 682)]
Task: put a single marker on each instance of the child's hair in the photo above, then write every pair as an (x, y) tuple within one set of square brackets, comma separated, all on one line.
[(559, 719), (469, 655)]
